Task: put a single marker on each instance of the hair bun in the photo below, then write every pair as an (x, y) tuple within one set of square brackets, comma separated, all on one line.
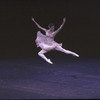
[(50, 25)]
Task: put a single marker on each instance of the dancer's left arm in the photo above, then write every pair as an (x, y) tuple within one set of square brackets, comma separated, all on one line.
[(64, 20)]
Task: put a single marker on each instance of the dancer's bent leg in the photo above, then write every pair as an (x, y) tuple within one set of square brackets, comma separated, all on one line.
[(41, 54)]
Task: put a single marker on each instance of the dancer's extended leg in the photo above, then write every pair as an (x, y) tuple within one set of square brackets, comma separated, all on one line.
[(41, 54), (59, 48)]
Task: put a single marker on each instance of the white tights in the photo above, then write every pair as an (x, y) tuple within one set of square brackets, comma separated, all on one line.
[(58, 48)]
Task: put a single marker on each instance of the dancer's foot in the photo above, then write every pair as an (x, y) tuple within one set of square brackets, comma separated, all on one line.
[(49, 61), (75, 55)]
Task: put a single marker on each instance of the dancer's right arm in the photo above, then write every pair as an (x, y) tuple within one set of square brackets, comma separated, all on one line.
[(39, 25)]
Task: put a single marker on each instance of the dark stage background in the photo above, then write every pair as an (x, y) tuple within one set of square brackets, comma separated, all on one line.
[(79, 34), (25, 75)]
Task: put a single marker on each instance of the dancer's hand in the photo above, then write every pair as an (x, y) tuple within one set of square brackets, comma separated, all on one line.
[(33, 19), (64, 19)]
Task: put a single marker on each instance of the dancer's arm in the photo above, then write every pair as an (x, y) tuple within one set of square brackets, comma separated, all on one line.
[(64, 20), (38, 25)]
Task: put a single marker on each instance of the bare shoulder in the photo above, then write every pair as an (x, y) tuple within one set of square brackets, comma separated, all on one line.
[(54, 33), (47, 30)]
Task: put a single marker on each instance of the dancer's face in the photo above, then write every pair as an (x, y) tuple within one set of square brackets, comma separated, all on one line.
[(52, 28)]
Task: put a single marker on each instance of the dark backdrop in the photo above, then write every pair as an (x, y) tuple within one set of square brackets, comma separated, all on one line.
[(79, 34)]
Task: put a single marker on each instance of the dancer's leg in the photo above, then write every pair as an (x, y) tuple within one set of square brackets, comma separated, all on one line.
[(41, 54), (59, 48)]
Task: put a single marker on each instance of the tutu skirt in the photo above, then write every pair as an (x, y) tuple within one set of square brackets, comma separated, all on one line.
[(45, 42)]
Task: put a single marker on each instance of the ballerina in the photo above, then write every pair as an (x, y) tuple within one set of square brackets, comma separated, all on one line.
[(46, 42)]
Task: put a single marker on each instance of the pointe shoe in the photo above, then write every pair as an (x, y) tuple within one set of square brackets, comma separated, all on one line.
[(76, 55), (49, 61)]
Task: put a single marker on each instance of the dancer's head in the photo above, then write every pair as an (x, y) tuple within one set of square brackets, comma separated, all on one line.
[(51, 27)]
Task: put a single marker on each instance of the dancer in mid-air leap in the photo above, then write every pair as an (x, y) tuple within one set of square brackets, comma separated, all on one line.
[(46, 42)]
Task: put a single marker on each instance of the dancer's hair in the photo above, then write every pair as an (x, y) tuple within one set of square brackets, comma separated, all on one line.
[(50, 25)]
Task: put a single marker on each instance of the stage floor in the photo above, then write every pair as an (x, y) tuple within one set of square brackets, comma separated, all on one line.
[(30, 78)]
